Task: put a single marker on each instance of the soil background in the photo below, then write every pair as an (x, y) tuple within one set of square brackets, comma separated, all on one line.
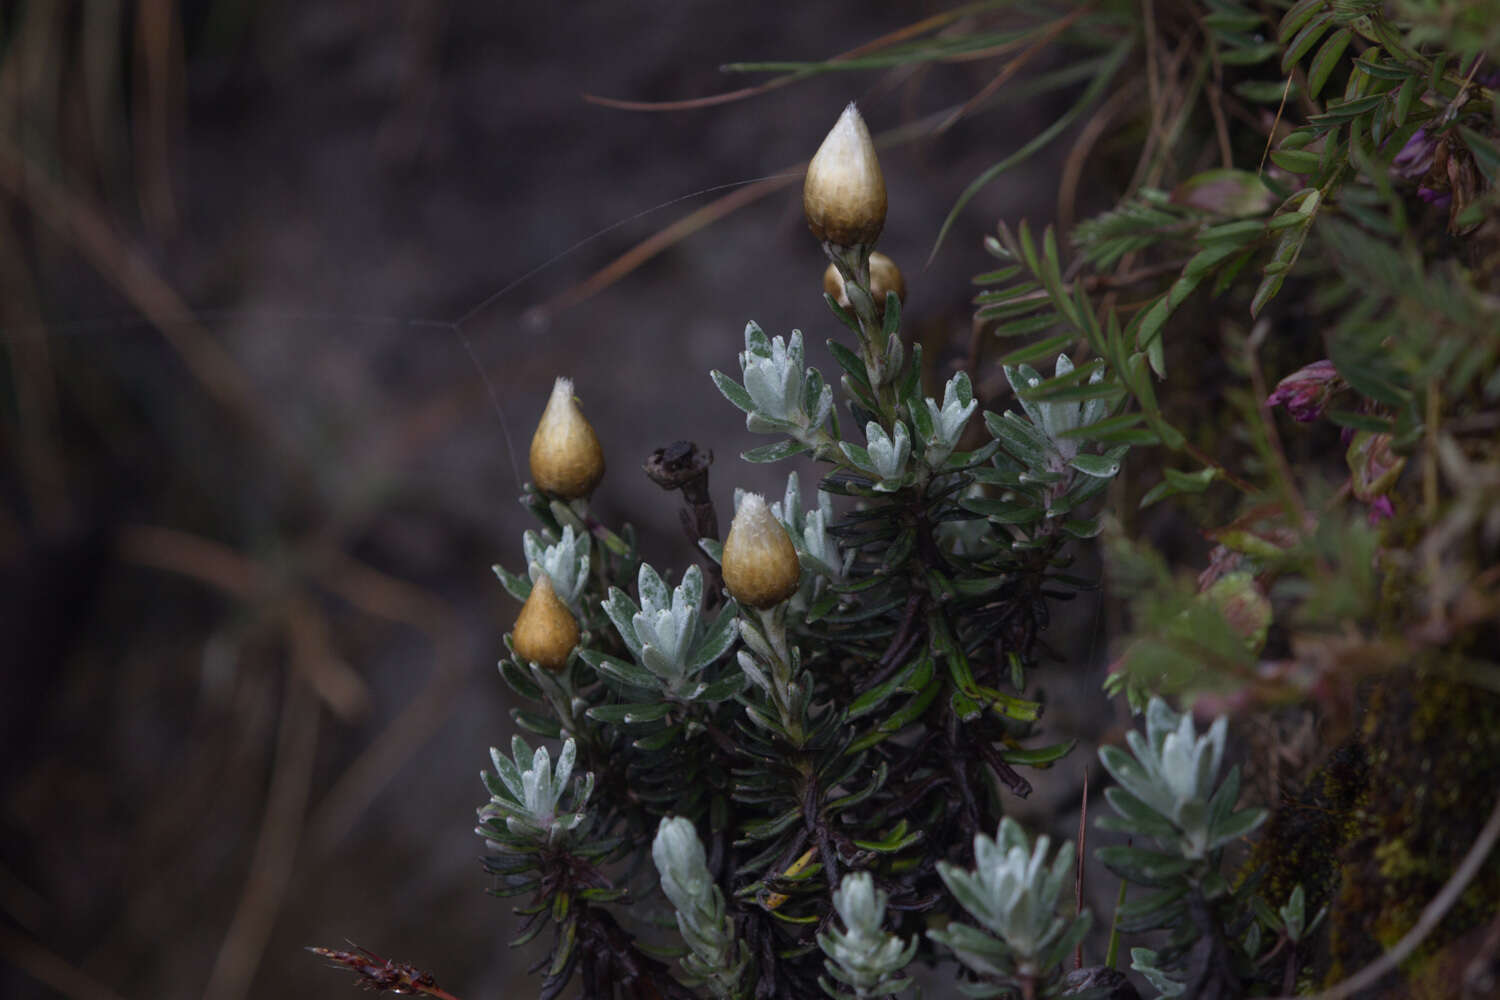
[(252, 480)]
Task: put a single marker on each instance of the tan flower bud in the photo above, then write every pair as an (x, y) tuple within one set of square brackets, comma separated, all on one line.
[(885, 276), (844, 194), (546, 630), (760, 565), (566, 460)]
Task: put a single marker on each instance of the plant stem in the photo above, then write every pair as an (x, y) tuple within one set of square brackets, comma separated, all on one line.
[(853, 264)]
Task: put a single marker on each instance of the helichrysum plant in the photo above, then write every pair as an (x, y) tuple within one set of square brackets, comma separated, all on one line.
[(796, 749), (863, 959), (1013, 893), (804, 748)]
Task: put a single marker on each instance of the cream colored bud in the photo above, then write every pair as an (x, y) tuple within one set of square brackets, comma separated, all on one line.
[(566, 460), (885, 276), (760, 565), (545, 631), (844, 194)]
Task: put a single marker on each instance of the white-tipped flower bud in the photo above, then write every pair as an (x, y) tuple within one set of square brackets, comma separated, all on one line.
[(760, 565), (546, 630), (844, 194), (885, 276), (566, 460)]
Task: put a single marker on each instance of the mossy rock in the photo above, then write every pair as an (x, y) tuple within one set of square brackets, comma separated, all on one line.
[(1433, 743)]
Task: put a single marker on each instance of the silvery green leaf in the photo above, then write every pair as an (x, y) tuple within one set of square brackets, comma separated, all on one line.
[(564, 769), (1012, 890), (1294, 913), (713, 958), (716, 642), (654, 593), (1143, 960), (765, 381), (789, 512), (621, 611), (1094, 410), (566, 562), (863, 955), (533, 791), (888, 452), (756, 341), (857, 456), (819, 414), (1022, 378), (508, 773)]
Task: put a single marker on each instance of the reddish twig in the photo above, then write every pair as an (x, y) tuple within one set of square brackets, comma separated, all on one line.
[(1083, 838), (383, 975)]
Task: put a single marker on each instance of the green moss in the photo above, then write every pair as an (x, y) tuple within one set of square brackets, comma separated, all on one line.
[(1434, 746)]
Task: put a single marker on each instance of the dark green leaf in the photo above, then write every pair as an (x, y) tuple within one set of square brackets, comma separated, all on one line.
[(850, 362), (1296, 161), (630, 714), (1486, 153), (1039, 756), (1304, 40), (1150, 868), (1361, 421), (775, 452), (1327, 58)]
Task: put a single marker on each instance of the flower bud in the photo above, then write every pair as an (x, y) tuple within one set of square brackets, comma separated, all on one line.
[(546, 630), (566, 460), (760, 565), (885, 276), (844, 194), (1305, 392)]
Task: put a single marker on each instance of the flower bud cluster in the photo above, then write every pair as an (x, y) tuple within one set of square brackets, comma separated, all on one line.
[(885, 277)]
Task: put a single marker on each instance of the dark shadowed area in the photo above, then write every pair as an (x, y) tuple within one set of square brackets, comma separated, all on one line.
[(285, 288)]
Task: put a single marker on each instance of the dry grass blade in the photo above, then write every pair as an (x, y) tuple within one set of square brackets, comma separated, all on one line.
[(51, 969), (1048, 34), (884, 41), (128, 270), (1102, 79), (383, 596), (159, 60), (276, 845), (1089, 136), (219, 566), (665, 238)]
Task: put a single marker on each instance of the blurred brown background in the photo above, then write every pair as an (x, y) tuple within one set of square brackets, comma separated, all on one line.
[(251, 482)]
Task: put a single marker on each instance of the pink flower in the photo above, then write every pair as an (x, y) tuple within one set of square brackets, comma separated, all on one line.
[(1305, 392)]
